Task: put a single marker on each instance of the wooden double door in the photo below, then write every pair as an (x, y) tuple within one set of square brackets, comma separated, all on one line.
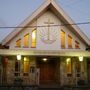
[(47, 71)]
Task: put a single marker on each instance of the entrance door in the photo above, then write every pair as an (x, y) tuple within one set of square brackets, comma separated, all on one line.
[(47, 71)]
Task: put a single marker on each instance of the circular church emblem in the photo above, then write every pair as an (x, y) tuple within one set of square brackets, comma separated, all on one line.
[(48, 34)]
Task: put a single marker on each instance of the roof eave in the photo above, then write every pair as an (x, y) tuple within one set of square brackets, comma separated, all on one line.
[(29, 19), (65, 18)]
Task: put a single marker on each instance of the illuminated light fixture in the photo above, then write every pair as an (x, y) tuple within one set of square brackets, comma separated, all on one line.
[(18, 57), (68, 60), (45, 59), (80, 58)]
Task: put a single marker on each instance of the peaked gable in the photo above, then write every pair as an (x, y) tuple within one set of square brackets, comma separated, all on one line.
[(56, 9)]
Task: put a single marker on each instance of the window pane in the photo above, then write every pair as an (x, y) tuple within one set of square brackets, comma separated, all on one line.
[(68, 67), (26, 40), (34, 38), (33, 44), (69, 41), (26, 65), (62, 39), (77, 45), (18, 43)]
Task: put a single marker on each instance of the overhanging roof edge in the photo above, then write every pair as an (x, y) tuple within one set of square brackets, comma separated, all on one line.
[(9, 52)]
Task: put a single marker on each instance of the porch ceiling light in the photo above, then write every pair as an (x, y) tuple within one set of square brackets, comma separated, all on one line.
[(80, 58), (44, 59), (18, 57)]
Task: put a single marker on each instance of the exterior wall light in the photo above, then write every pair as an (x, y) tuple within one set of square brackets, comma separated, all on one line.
[(68, 60), (18, 57), (80, 58)]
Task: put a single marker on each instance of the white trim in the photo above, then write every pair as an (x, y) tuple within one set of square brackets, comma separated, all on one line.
[(45, 52)]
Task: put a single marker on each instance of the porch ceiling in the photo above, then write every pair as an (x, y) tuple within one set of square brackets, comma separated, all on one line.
[(9, 52)]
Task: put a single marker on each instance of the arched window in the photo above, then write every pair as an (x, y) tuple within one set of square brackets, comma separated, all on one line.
[(62, 39), (33, 38), (26, 40), (77, 45), (68, 66), (69, 41), (18, 43), (26, 66)]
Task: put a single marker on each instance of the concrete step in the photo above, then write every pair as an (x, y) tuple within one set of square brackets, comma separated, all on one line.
[(50, 87)]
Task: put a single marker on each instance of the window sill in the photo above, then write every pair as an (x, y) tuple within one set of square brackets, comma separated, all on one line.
[(77, 47), (25, 46), (70, 48), (17, 46), (33, 47), (63, 48)]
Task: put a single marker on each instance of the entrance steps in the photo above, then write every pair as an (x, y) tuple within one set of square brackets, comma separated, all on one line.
[(50, 87)]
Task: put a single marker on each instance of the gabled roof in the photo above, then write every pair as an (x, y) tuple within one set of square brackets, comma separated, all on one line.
[(54, 7)]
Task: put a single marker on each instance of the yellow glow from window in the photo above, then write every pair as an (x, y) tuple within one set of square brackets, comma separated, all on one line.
[(62, 39), (69, 41), (68, 60), (77, 45), (18, 43), (26, 40), (34, 38), (26, 65), (68, 66), (34, 35)]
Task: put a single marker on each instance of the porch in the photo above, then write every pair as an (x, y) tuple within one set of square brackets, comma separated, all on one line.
[(61, 68)]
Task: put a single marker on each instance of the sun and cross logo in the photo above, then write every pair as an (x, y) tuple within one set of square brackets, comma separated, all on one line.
[(48, 35)]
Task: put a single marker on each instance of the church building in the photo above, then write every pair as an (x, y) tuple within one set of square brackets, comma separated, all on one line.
[(46, 48)]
